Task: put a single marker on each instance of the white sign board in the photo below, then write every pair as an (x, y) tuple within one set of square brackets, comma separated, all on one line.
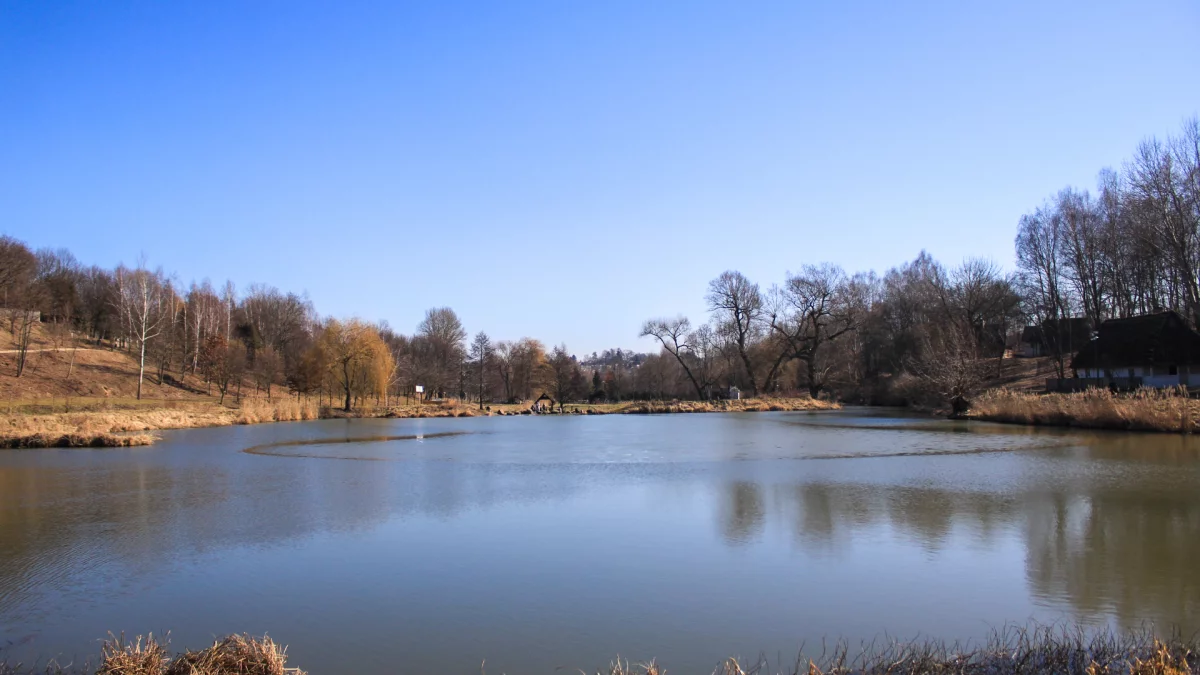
[(420, 389)]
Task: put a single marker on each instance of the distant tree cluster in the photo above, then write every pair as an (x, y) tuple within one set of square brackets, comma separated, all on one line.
[(265, 338), (825, 332)]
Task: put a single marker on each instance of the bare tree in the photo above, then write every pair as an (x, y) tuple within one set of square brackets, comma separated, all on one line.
[(817, 313), (672, 334), (267, 367), (442, 352), (140, 294), (481, 355), (738, 306), (1039, 258), (502, 362), (563, 381)]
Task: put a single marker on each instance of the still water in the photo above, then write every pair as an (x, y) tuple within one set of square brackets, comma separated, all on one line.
[(380, 546)]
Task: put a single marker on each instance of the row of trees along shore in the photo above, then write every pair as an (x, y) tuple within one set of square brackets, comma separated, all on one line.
[(922, 332)]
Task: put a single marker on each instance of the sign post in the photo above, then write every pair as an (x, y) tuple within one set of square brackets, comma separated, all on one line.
[(420, 390)]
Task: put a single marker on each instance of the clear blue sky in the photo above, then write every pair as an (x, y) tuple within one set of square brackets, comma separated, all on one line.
[(563, 169)]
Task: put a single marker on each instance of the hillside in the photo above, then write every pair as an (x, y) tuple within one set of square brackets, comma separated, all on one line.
[(70, 368), (1023, 374)]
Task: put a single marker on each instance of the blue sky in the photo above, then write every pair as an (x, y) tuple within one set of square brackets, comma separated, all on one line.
[(564, 170)]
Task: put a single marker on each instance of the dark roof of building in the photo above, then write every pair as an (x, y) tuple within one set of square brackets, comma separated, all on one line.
[(1072, 333), (1162, 339)]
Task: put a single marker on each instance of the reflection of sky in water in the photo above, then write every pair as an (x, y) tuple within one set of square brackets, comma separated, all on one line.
[(537, 542)]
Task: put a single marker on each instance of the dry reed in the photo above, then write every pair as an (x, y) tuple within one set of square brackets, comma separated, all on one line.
[(288, 409), (234, 655), (1144, 410), (1012, 651), (140, 656), (119, 428)]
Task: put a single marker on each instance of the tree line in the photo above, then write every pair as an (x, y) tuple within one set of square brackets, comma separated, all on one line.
[(920, 332), (1131, 248), (265, 338)]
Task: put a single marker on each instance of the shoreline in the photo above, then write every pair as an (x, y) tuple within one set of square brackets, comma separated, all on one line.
[(134, 427), (1143, 411)]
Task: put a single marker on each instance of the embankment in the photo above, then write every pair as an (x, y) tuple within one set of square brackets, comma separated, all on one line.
[(1145, 410), (129, 427)]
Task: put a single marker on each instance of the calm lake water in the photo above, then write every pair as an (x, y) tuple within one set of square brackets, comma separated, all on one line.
[(381, 546)]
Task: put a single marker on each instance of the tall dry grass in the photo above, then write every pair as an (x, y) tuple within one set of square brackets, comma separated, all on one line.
[(114, 428), (1011, 651), (285, 409), (1144, 410)]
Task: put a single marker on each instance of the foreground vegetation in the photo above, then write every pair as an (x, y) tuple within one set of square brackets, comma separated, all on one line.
[(233, 655), (1013, 651), (1144, 410)]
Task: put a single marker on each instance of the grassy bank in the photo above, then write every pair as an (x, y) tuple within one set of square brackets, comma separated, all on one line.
[(108, 424), (1014, 651), (1145, 410), (118, 426)]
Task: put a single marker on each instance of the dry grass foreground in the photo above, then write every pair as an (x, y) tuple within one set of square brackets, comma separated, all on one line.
[(1038, 650), (126, 427), (1144, 410), (1017, 651)]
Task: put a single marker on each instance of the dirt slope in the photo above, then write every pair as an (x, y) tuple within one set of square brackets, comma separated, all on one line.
[(95, 373)]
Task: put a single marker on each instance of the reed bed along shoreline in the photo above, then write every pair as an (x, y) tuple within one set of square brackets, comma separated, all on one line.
[(1010, 651), (1144, 410), (130, 426)]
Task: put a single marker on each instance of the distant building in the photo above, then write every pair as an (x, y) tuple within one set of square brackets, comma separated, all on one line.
[(735, 394), (1154, 350), (1070, 334)]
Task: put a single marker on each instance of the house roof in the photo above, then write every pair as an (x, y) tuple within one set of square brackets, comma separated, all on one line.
[(1072, 332), (1162, 339)]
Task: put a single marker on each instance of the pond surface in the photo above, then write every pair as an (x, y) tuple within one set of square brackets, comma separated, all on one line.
[(382, 546)]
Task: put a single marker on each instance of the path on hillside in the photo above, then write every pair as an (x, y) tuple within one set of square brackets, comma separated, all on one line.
[(54, 349)]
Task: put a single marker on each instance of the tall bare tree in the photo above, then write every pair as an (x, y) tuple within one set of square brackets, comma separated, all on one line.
[(817, 313), (140, 296), (442, 351), (738, 306), (481, 356), (672, 334)]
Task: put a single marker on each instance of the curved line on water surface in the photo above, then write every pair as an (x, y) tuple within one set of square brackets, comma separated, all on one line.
[(918, 425), (929, 426), (262, 449), (931, 453)]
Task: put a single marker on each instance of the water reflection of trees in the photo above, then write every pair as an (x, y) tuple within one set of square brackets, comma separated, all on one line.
[(1124, 551), (1128, 551), (64, 528), (743, 513)]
